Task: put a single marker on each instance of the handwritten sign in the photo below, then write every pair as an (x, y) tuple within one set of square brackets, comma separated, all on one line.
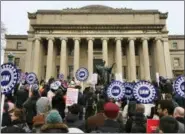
[(72, 96)]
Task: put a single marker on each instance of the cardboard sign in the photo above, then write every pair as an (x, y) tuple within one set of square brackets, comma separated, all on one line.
[(72, 96), (157, 78), (152, 125)]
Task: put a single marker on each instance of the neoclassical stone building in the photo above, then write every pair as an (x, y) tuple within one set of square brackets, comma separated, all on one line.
[(61, 41)]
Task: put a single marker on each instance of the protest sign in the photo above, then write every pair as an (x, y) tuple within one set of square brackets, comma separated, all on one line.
[(144, 92), (116, 90), (72, 96), (152, 125)]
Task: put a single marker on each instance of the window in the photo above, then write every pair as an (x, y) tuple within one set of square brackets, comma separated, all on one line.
[(71, 52), (70, 71), (19, 45), (176, 62), (123, 50), (44, 71), (58, 70), (137, 72), (124, 72), (174, 45), (17, 61)]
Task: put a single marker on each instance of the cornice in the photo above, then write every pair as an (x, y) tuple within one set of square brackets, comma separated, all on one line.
[(11, 36), (97, 27), (176, 37), (11, 49)]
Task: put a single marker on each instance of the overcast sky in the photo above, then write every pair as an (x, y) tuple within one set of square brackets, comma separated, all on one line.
[(14, 13)]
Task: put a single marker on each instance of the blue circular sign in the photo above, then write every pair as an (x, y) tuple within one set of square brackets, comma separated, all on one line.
[(35, 87), (9, 77), (178, 86), (82, 74), (116, 90), (144, 92), (128, 90), (31, 78), (61, 76)]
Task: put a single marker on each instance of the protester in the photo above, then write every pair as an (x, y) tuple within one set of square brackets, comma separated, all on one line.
[(8, 107), (179, 114), (59, 103), (111, 112), (54, 123), (30, 106), (166, 108), (72, 118), (168, 125), (98, 119), (21, 96), (42, 107), (18, 123)]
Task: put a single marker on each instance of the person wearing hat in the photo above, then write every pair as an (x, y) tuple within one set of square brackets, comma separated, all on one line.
[(54, 123), (42, 107), (111, 125), (51, 93)]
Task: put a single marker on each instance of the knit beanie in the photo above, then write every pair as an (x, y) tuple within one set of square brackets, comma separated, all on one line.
[(111, 110), (43, 105), (53, 117)]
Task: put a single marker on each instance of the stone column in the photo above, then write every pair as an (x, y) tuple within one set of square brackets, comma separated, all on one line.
[(160, 57), (63, 57), (90, 56), (76, 54), (146, 59), (142, 75), (132, 59), (118, 55), (37, 61), (105, 50), (49, 67), (167, 58), (29, 56)]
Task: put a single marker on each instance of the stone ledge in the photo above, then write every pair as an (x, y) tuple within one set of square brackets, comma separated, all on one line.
[(14, 36), (97, 27)]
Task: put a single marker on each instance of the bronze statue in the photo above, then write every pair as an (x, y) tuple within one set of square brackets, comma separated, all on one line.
[(104, 74)]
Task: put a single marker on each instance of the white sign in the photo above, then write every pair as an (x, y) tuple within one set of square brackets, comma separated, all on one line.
[(72, 96), (157, 78), (95, 78), (119, 77)]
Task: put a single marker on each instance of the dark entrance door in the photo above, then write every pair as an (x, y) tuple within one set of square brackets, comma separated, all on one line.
[(97, 62)]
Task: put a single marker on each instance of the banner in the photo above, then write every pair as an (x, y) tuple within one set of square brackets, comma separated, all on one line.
[(178, 86), (31, 78), (72, 96), (82, 74), (144, 92), (152, 125), (116, 90), (128, 90)]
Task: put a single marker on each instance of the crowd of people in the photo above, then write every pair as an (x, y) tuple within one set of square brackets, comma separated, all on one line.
[(44, 110)]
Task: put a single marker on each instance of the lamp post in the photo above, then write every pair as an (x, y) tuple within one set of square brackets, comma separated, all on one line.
[(10, 57)]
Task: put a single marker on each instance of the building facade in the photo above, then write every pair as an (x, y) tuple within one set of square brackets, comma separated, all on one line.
[(62, 41)]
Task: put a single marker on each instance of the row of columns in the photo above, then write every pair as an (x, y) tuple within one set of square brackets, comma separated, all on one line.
[(130, 56)]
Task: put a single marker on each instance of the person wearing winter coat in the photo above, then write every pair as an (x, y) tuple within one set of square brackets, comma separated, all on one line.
[(21, 96), (96, 120), (111, 125), (59, 103), (42, 107), (8, 107), (54, 123), (18, 124), (30, 107), (72, 119)]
